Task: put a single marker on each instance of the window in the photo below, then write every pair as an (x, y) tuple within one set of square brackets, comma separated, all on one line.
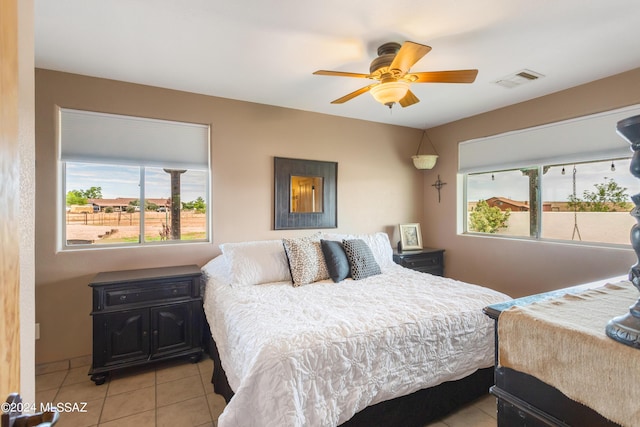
[(500, 202), (545, 203), (567, 181), (595, 209), (132, 181)]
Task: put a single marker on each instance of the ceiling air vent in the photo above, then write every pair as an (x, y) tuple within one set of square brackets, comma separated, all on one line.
[(519, 78)]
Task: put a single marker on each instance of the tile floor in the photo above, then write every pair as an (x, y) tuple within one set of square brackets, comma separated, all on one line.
[(481, 413), (175, 393)]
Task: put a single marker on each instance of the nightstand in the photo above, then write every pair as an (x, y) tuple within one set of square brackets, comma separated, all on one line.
[(144, 316), (426, 260)]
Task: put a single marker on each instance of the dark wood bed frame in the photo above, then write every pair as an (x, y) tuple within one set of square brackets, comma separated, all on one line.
[(524, 400), (416, 409)]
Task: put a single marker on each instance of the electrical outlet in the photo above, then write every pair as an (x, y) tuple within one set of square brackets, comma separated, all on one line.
[(37, 331)]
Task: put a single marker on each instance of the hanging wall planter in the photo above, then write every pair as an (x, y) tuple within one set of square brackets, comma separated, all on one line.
[(424, 161)]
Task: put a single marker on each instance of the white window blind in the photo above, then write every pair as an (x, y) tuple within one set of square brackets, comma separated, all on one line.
[(584, 139), (115, 139)]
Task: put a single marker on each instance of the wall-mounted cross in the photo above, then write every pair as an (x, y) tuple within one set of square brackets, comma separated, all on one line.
[(439, 184)]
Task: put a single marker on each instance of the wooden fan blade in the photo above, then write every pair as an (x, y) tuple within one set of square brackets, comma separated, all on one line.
[(409, 99), (341, 74), (409, 54), (453, 76), (353, 94)]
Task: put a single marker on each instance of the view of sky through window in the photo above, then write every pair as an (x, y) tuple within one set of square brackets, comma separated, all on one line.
[(122, 181), (557, 187)]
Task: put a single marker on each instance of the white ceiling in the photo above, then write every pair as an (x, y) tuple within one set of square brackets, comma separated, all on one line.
[(266, 51)]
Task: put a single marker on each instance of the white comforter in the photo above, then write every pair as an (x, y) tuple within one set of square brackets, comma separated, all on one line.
[(317, 354)]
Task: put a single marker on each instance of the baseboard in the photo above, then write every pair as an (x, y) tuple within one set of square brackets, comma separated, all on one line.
[(63, 365)]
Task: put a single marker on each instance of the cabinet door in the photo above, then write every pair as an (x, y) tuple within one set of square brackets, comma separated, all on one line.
[(171, 329), (125, 337)]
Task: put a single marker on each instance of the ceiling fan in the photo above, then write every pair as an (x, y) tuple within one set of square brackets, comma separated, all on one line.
[(391, 69)]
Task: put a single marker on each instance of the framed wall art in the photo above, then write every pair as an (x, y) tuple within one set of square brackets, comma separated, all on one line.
[(305, 194), (410, 237)]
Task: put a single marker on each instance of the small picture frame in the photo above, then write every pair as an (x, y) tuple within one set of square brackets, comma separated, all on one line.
[(410, 237)]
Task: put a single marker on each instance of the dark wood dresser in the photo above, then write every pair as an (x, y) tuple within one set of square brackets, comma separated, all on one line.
[(525, 401), (426, 260), (144, 316)]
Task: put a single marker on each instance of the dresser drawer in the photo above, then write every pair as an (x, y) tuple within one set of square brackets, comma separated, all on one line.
[(422, 261), (130, 289), (426, 260), (147, 293)]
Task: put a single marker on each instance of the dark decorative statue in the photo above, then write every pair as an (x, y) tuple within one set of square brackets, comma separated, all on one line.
[(626, 328)]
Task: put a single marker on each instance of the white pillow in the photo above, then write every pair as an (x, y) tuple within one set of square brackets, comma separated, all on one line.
[(256, 262), (378, 242), (216, 266)]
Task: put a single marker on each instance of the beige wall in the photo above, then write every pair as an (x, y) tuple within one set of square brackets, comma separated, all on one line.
[(520, 267), (377, 186)]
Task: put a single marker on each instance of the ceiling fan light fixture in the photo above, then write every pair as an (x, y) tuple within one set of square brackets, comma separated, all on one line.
[(391, 68), (388, 93)]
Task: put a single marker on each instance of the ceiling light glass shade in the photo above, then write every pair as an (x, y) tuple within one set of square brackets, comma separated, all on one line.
[(424, 161), (390, 92)]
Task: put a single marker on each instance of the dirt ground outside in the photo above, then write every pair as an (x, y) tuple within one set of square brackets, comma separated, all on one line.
[(597, 227), (118, 227)]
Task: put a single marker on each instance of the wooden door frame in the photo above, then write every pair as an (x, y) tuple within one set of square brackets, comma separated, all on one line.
[(9, 201)]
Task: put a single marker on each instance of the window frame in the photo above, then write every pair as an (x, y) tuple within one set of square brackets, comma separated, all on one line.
[(463, 223), (63, 246), (61, 229)]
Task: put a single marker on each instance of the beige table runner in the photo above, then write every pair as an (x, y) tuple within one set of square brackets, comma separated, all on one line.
[(563, 343)]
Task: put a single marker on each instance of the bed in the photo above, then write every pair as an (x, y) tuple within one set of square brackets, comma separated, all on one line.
[(555, 366), (349, 352)]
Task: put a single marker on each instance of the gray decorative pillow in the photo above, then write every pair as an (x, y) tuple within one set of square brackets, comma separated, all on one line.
[(361, 259), (306, 260), (336, 260)]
